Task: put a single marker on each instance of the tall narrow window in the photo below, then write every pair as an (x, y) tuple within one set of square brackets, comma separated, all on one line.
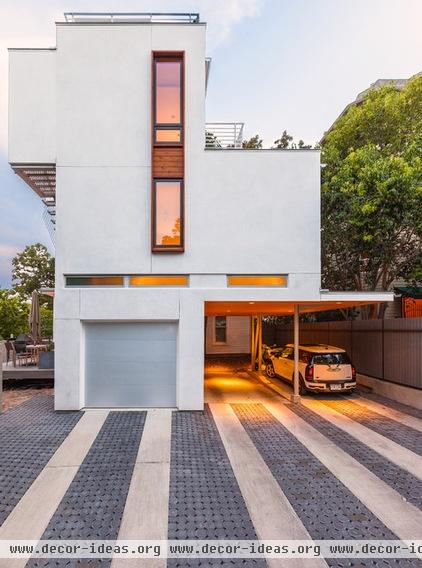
[(168, 153), (220, 330), (168, 106), (167, 212)]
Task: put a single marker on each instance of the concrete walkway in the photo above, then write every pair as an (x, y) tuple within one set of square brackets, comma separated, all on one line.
[(251, 460)]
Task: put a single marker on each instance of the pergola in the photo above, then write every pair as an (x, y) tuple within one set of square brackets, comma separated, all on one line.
[(257, 309)]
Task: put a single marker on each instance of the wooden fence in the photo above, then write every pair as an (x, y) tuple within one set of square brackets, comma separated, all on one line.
[(386, 349)]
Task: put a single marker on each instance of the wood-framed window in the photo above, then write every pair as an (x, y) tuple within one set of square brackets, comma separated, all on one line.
[(167, 215), (168, 78), (168, 153)]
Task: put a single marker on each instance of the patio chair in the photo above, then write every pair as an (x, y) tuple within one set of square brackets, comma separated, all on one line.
[(20, 358)]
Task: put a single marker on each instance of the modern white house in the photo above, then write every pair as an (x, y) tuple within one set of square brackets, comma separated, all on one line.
[(160, 220)]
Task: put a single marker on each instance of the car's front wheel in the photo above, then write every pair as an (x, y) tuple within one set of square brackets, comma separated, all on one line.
[(269, 370)]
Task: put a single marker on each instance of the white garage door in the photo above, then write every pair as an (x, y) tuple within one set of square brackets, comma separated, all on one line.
[(130, 364)]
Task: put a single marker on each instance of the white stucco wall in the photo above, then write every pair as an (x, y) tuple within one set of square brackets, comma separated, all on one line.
[(32, 106)]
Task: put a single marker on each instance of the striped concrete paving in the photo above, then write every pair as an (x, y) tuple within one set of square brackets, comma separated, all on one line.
[(250, 466)]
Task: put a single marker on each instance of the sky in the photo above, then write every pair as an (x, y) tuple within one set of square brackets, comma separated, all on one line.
[(276, 65)]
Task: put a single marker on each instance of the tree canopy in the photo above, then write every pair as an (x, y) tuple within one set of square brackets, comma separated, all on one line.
[(33, 269), (372, 191), (14, 311)]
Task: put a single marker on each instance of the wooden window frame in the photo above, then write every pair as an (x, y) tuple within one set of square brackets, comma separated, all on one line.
[(167, 248), (168, 57), (156, 147)]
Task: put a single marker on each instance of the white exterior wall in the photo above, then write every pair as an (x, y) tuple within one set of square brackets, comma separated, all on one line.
[(32, 106), (238, 335), (246, 212)]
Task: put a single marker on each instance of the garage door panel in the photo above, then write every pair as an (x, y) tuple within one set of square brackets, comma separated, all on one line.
[(121, 352), (130, 364)]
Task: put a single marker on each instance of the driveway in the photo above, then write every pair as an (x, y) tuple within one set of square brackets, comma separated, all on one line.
[(252, 465)]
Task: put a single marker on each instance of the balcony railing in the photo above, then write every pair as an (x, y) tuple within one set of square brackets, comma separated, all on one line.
[(147, 17), (224, 134)]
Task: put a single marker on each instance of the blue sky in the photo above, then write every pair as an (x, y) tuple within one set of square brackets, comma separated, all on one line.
[(277, 64)]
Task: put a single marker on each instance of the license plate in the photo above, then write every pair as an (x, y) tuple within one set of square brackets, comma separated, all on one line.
[(335, 387)]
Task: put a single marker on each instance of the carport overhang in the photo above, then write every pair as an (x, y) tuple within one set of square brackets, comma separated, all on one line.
[(256, 308)]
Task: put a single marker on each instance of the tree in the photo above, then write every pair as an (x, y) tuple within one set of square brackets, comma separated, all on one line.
[(372, 191), (286, 142), (14, 311), (254, 142), (46, 314), (33, 269)]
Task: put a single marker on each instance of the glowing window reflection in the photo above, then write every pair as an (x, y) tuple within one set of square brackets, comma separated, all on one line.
[(167, 213), (168, 91)]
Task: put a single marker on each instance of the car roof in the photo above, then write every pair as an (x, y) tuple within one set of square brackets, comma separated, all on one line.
[(318, 348)]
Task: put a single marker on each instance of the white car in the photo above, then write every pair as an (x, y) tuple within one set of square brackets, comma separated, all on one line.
[(322, 368)]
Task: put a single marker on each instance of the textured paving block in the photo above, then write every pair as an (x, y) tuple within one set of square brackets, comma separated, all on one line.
[(325, 506), (394, 404), (391, 429), (402, 481), (29, 435), (92, 507), (205, 499)]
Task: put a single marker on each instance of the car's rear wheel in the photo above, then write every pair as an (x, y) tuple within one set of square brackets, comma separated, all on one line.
[(269, 370)]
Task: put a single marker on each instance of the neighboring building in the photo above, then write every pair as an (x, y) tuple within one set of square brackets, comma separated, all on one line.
[(154, 231), (227, 335)]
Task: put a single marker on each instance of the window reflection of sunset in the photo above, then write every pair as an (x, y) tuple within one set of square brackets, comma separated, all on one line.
[(168, 213), (168, 92)]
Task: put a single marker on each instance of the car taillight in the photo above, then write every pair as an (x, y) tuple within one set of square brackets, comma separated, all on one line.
[(309, 373), (353, 373)]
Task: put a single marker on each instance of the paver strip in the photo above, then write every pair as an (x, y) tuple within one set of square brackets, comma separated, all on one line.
[(389, 449), (391, 412), (324, 504), (93, 505), (146, 512), (390, 403), (409, 486), (399, 433), (271, 512), (32, 514), (402, 518), (29, 435), (205, 500)]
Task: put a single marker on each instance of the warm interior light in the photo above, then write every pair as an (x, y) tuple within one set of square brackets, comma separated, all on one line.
[(152, 280), (247, 280)]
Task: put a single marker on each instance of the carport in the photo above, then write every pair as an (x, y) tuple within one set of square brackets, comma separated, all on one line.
[(256, 309)]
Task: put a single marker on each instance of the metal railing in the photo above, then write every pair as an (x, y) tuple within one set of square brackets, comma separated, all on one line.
[(224, 134), (147, 17)]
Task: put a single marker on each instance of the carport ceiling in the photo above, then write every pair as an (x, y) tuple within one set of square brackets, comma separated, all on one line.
[(277, 308)]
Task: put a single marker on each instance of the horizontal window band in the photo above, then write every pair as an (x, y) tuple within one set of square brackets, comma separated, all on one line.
[(277, 280), (124, 281), (94, 281), (155, 280)]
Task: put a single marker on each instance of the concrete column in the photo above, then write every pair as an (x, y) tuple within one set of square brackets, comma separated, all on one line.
[(295, 396), (259, 343), (190, 360)]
